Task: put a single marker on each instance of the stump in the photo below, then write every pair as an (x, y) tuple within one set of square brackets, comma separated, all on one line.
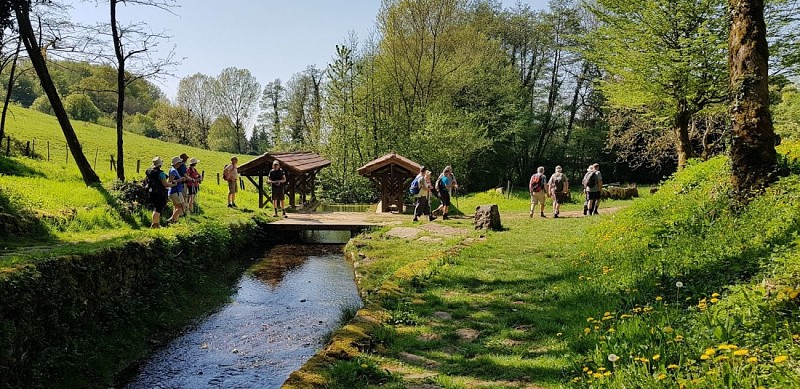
[(487, 217)]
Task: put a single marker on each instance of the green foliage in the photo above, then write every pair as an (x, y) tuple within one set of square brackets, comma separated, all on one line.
[(786, 114), (42, 104), (358, 373), (80, 107), (222, 135)]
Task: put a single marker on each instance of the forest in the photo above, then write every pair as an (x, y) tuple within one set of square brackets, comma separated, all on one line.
[(638, 86)]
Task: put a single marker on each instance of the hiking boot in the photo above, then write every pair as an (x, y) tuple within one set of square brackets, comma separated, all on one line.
[(555, 216), (584, 210), (542, 214), (230, 205), (275, 214), (445, 217), (233, 205), (155, 225), (530, 214), (284, 216), (431, 218), (415, 219)]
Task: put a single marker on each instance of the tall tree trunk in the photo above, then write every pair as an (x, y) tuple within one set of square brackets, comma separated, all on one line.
[(22, 11), (120, 89), (753, 157), (683, 143), (9, 89)]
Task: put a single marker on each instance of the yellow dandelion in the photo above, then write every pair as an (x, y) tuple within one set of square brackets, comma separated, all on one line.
[(704, 357), (662, 376), (715, 294), (363, 365), (714, 300), (587, 330), (740, 353), (722, 358), (560, 334), (659, 298), (605, 318), (597, 375), (589, 320), (625, 316), (672, 366), (793, 294), (780, 359), (656, 357), (607, 374), (667, 330), (585, 369), (576, 379), (752, 360), (710, 351), (607, 313), (612, 330), (601, 369), (678, 338)]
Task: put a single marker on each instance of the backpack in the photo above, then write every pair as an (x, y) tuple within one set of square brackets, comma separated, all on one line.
[(558, 182), (414, 188), (590, 179), (536, 182), (225, 172), (152, 179)]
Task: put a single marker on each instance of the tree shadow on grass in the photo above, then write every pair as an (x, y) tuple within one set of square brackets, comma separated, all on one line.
[(13, 167), (19, 226), (125, 211)]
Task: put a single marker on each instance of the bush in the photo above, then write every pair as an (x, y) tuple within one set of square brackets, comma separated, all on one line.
[(81, 107), (42, 104)]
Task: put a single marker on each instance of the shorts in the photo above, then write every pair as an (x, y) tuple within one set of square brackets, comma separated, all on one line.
[(444, 196), (178, 199), (159, 201), (537, 198), (560, 197), (233, 186), (594, 195), (192, 190), (277, 193)]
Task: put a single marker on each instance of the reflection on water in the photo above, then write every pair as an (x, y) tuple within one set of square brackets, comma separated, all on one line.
[(276, 321), (325, 236)]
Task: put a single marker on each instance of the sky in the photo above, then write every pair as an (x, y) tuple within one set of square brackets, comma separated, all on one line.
[(270, 38)]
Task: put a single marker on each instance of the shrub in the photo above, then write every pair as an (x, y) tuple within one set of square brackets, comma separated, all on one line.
[(42, 104), (81, 107)]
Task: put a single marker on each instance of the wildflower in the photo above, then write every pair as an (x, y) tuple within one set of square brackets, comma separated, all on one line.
[(607, 374), (710, 351), (715, 294), (667, 330), (612, 330), (612, 358), (752, 360), (585, 369), (714, 300), (705, 357), (740, 353), (678, 338), (589, 320), (608, 318), (672, 366), (661, 376), (597, 375), (587, 330), (559, 334), (625, 316), (601, 369), (607, 314), (679, 284), (722, 358), (780, 359), (363, 365), (576, 379)]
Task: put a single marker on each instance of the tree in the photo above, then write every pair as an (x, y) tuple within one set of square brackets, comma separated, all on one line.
[(81, 107), (664, 56), (223, 136), (753, 156), (196, 95), (22, 12), (236, 92), (273, 110)]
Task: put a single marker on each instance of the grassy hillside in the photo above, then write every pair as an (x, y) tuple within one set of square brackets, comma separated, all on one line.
[(46, 200)]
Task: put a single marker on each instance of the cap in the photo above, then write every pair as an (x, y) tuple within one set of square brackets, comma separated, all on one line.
[(193, 161), (176, 160), (157, 161)]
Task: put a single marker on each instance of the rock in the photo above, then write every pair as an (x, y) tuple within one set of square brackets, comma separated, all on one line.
[(418, 360), (403, 232), (467, 334), (487, 217), (442, 315)]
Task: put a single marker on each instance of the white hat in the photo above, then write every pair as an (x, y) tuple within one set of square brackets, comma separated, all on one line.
[(193, 161), (176, 160), (157, 161)]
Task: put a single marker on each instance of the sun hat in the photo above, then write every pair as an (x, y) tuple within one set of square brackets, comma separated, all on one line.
[(194, 161), (157, 161), (176, 160)]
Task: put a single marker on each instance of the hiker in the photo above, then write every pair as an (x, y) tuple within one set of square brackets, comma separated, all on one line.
[(193, 185), (182, 169), (444, 186), (538, 189), (423, 207), (276, 178), (176, 192), (584, 182), (231, 175), (559, 188), (157, 186), (595, 189)]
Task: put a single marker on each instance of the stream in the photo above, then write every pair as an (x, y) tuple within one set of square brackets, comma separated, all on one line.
[(278, 317)]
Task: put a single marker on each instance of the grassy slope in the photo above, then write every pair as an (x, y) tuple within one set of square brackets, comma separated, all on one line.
[(553, 299), (68, 211)]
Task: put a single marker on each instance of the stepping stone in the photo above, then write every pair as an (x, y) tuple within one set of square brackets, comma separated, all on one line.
[(467, 334), (442, 315), (418, 360), (403, 232)]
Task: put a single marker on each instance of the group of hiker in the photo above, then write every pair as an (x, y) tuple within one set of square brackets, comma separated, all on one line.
[(557, 187), (276, 179), (422, 188), (180, 185)]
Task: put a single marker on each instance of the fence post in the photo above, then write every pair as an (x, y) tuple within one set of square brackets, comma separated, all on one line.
[(217, 178), (28, 148), (8, 145), (66, 158), (96, 150), (138, 162), (33, 146), (241, 183), (112, 162), (48, 151)]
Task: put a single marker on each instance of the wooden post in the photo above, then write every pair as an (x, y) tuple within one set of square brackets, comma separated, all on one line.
[(508, 189), (33, 146), (138, 163), (8, 145), (48, 151), (66, 158), (112, 162), (28, 148), (241, 183), (261, 191), (96, 150), (217, 178)]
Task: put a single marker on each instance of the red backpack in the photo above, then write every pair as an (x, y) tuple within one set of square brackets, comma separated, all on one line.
[(536, 182)]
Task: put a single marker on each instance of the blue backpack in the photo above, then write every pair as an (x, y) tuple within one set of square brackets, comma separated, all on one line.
[(414, 188)]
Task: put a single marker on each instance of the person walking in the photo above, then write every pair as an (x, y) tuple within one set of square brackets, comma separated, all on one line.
[(585, 183), (182, 171), (193, 185), (559, 189), (157, 186), (231, 175), (176, 192), (423, 206), (444, 186), (538, 189), (276, 178), (595, 190)]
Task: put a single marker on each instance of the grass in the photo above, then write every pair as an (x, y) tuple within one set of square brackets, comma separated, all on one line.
[(672, 290), (46, 202)]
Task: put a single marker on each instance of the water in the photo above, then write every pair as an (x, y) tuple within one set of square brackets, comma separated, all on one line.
[(282, 309)]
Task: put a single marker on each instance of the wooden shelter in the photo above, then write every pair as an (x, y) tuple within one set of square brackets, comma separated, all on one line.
[(390, 173), (301, 174)]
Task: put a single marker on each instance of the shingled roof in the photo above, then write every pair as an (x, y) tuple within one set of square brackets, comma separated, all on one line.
[(378, 164), (294, 162)]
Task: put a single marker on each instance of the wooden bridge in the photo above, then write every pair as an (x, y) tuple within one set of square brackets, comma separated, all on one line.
[(334, 221)]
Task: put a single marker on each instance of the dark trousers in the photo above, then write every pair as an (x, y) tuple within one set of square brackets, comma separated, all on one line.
[(422, 207)]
